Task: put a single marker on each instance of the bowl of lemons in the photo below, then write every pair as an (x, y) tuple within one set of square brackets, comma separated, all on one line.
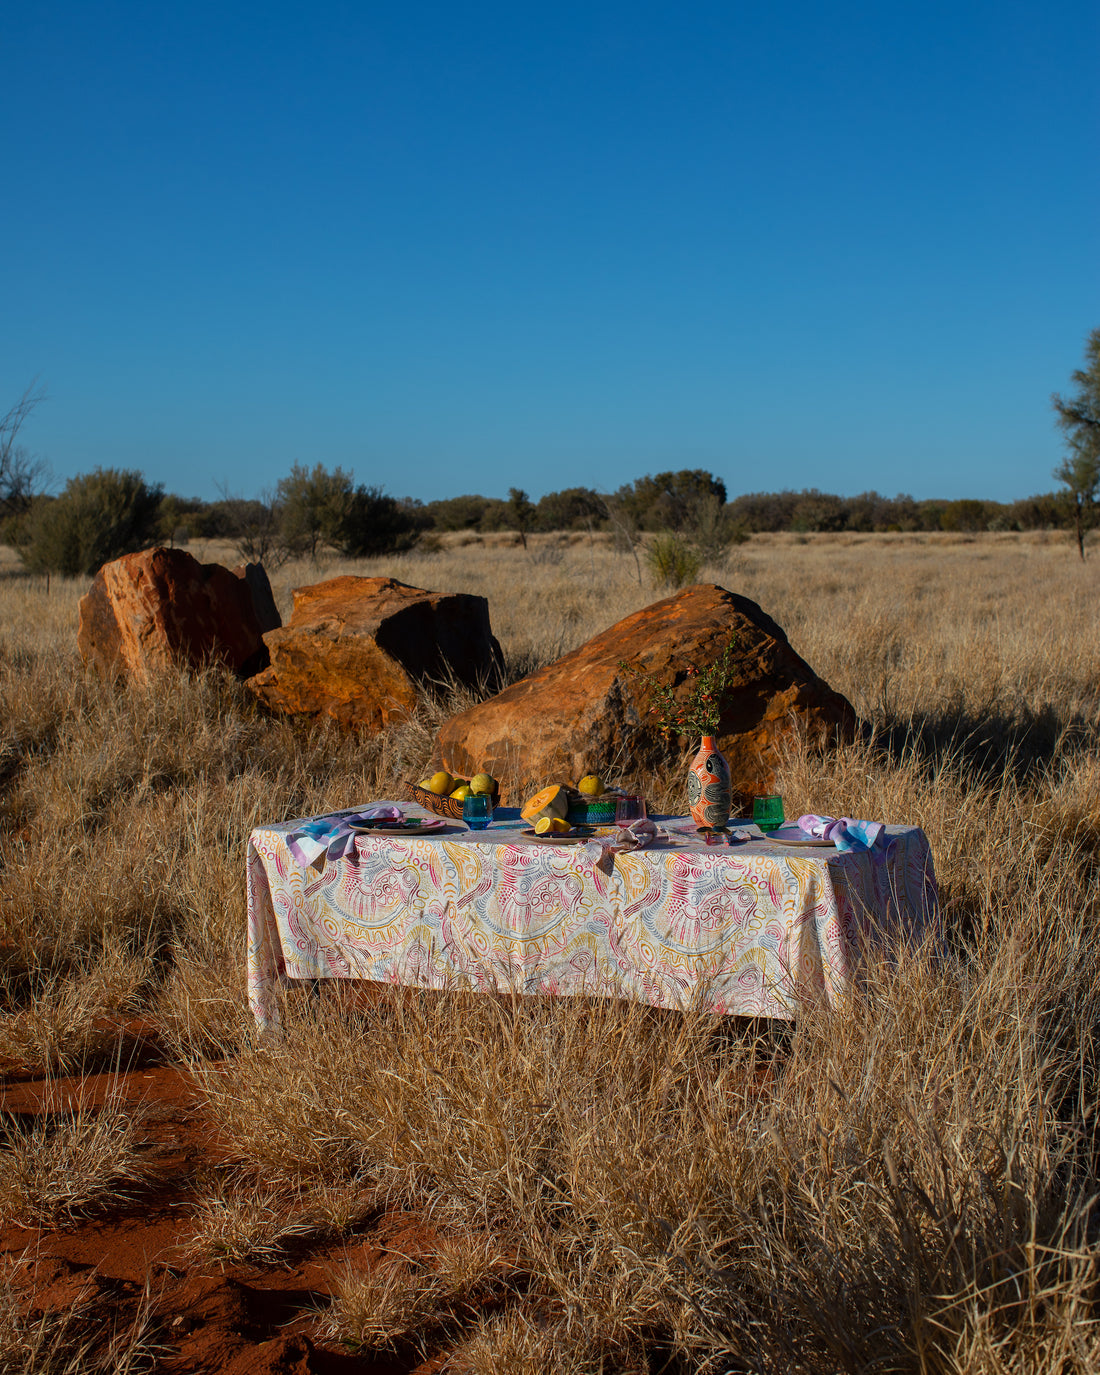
[(444, 793)]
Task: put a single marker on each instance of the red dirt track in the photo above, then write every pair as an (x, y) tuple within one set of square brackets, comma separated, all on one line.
[(233, 1319)]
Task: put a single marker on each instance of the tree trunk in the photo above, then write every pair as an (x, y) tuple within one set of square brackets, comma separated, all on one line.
[(1080, 529)]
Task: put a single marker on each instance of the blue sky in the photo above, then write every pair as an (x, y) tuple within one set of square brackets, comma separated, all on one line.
[(462, 247)]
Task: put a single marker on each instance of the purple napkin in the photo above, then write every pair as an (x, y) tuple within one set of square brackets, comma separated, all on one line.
[(845, 833), (334, 836)]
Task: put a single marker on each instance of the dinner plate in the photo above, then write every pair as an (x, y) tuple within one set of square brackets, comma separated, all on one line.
[(412, 826), (557, 838), (794, 836)]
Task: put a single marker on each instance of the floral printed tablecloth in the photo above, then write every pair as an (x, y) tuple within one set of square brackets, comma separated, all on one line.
[(751, 929)]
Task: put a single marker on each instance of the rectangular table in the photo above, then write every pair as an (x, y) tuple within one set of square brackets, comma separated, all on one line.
[(753, 929)]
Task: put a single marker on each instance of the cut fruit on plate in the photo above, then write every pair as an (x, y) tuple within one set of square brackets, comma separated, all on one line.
[(551, 802), (573, 837)]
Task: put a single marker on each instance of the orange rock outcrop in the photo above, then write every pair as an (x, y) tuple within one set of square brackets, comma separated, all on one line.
[(584, 712), (361, 650), (161, 608)]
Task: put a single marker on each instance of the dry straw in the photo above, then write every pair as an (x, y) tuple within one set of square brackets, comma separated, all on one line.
[(907, 1186)]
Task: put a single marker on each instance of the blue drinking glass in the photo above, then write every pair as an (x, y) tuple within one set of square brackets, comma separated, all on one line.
[(477, 811)]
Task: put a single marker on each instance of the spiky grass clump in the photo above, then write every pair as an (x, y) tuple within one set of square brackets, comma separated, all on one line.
[(80, 1340), (68, 1162), (903, 1178)]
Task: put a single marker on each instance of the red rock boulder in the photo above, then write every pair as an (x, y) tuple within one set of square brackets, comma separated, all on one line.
[(361, 649), (584, 713), (161, 608)]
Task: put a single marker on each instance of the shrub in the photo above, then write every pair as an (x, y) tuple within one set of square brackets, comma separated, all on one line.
[(712, 529), (456, 513), (672, 562), (374, 523), (575, 508), (817, 511), (255, 527), (966, 515), (312, 507), (99, 517), (666, 501)]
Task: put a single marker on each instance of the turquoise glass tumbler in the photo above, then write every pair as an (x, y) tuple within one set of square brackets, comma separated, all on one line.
[(477, 811), (767, 812)]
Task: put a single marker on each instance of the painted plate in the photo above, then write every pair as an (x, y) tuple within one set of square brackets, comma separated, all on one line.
[(410, 826)]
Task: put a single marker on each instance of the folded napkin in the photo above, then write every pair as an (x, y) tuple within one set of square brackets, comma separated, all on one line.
[(637, 836), (333, 837), (845, 833)]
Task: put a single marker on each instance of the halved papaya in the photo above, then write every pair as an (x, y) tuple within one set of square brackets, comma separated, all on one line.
[(551, 802)]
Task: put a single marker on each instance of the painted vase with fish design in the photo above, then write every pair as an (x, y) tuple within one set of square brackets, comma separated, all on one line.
[(709, 794)]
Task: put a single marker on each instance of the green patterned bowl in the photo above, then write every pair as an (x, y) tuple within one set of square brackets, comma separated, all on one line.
[(590, 811)]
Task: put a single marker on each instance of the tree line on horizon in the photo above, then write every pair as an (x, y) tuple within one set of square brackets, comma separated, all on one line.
[(109, 512)]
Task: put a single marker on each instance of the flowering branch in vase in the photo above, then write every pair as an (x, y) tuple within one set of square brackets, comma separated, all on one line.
[(698, 711)]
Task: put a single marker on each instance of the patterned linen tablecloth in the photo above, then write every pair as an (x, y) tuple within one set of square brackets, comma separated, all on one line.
[(753, 929)]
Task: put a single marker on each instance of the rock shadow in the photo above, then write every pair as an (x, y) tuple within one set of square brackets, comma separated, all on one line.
[(988, 745)]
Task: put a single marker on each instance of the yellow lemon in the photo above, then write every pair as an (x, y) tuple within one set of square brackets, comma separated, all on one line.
[(591, 785), (462, 791), (544, 825), (441, 782), (483, 783), (558, 825)]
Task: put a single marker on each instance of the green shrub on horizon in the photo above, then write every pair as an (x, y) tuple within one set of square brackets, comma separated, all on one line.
[(99, 517), (672, 561)]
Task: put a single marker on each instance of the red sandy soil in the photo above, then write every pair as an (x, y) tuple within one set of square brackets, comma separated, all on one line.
[(210, 1319)]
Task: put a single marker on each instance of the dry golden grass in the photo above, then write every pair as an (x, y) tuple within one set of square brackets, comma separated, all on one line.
[(242, 1219), (68, 1162), (907, 1187), (402, 1300)]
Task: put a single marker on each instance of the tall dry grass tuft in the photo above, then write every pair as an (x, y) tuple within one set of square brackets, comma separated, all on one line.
[(68, 1161), (899, 1170), (402, 1300), (68, 1012), (242, 1218), (519, 1343), (906, 1185)]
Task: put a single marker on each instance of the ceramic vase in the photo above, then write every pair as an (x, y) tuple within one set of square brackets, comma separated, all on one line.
[(709, 794)]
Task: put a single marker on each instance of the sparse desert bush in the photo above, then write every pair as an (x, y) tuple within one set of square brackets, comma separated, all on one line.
[(672, 561), (68, 1163), (904, 1187), (98, 517)]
